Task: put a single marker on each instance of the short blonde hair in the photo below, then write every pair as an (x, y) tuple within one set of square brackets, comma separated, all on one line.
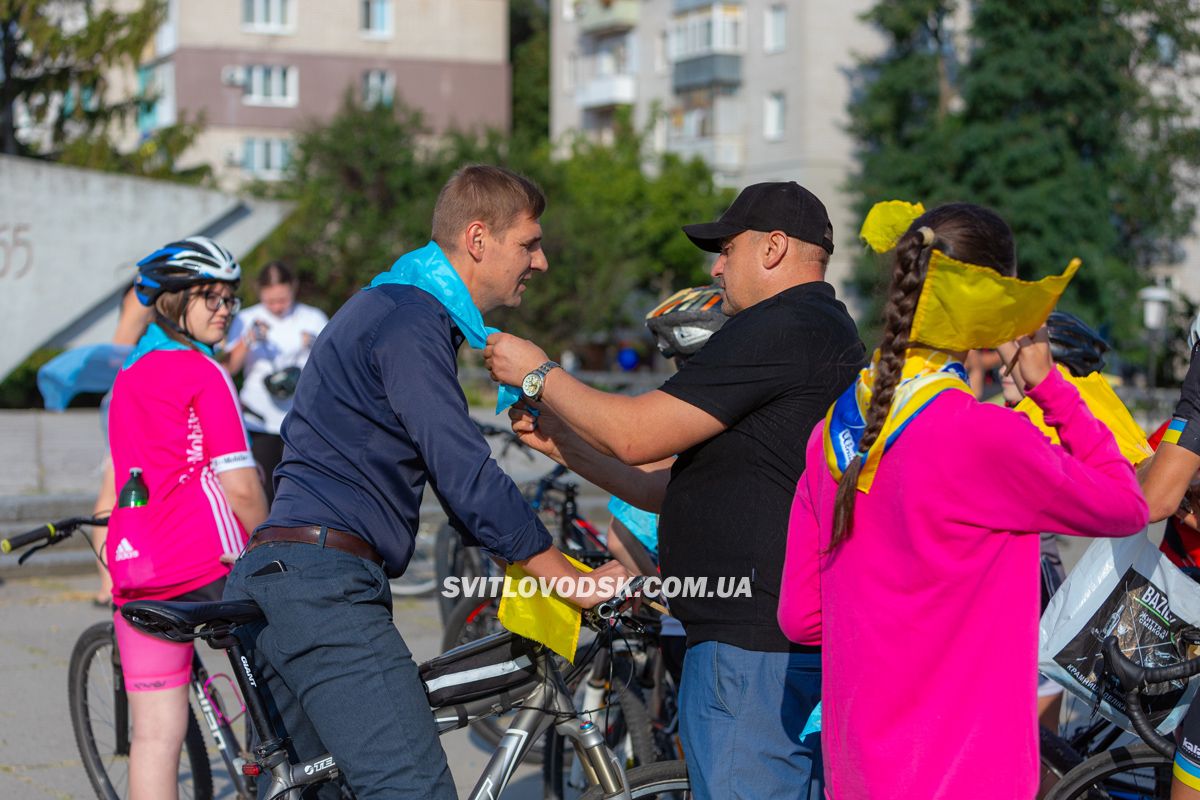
[(494, 195)]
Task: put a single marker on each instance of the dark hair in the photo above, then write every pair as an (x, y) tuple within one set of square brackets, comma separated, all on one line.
[(276, 273), (963, 231), (494, 195)]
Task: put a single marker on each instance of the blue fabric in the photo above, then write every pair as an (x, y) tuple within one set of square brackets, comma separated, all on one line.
[(378, 413), (741, 716), (81, 369), (814, 722), (429, 269), (642, 524), (155, 338), (331, 641)]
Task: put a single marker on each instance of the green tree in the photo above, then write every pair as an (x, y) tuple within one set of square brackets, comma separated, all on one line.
[(364, 186), (56, 57), (1069, 118), (157, 156), (529, 55)]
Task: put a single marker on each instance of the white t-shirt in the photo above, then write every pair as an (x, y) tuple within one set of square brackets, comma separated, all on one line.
[(272, 343)]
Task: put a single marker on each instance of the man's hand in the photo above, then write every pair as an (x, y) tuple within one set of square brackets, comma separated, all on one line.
[(617, 577), (545, 432), (510, 358)]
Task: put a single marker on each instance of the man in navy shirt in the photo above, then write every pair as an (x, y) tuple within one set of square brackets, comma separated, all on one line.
[(378, 414)]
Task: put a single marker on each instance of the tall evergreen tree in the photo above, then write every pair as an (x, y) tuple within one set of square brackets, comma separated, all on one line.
[(55, 60), (1070, 118)]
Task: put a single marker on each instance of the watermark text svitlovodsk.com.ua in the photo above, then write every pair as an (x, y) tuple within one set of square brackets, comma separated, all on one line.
[(667, 588)]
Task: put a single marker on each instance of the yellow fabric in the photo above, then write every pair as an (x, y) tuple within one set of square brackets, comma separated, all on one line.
[(921, 379), (548, 619), (1105, 406), (886, 222), (964, 306)]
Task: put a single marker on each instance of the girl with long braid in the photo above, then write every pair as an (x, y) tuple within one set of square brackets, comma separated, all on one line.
[(910, 558)]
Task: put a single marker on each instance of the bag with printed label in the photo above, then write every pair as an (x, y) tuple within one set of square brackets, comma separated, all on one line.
[(1128, 589)]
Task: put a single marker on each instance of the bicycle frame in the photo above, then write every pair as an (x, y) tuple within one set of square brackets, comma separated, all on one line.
[(549, 700), (218, 725)]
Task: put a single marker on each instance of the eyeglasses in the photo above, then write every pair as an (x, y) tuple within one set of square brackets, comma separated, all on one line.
[(214, 301)]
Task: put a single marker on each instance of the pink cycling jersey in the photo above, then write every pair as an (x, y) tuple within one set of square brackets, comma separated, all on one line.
[(174, 415)]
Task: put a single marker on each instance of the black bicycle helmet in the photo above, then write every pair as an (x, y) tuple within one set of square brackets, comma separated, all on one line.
[(181, 264), (1075, 345), (683, 322)]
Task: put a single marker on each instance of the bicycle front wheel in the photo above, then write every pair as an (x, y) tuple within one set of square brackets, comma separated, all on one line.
[(1136, 772), (100, 719), (666, 780)]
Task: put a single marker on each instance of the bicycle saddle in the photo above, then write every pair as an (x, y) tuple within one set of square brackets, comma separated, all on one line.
[(183, 622)]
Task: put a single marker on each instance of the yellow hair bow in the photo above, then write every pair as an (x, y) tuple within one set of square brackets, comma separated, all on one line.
[(886, 222)]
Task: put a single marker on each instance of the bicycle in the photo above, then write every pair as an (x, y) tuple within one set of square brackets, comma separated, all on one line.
[(499, 672), (1139, 771), (99, 704)]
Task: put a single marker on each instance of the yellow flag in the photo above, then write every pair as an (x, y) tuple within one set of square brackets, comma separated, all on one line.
[(1105, 406), (886, 222), (548, 619), (965, 306)]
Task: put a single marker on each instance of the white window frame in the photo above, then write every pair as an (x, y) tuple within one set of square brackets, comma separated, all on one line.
[(276, 85), (775, 28), (378, 86), (774, 116), (369, 25), (709, 30), (274, 17), (266, 158)]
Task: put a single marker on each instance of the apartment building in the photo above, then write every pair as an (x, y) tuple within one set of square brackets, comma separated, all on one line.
[(260, 70), (757, 88)]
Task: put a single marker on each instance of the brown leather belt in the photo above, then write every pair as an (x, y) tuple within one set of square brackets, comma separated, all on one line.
[(334, 539)]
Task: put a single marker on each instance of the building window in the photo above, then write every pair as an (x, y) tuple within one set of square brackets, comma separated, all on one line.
[(265, 158), (661, 47), (379, 88), (267, 16), (272, 86), (775, 29), (376, 17), (773, 116), (707, 31)]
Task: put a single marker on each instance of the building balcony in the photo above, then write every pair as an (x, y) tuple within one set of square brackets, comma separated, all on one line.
[(607, 90), (715, 69), (722, 153), (599, 17)]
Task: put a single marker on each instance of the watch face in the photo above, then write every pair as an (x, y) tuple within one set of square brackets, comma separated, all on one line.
[(532, 385)]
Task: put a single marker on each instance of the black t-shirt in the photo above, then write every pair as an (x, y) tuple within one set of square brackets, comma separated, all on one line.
[(770, 374)]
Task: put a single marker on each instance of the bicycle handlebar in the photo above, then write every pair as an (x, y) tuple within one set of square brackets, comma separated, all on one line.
[(1132, 678), (611, 607), (50, 532)]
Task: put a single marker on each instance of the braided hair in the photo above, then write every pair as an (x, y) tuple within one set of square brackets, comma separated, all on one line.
[(963, 231)]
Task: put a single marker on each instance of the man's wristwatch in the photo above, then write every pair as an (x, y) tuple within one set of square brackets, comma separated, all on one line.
[(533, 384)]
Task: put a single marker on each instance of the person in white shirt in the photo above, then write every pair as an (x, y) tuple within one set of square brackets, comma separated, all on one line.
[(271, 341)]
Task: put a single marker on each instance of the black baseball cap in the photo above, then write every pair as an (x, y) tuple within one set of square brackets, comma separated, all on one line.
[(782, 206)]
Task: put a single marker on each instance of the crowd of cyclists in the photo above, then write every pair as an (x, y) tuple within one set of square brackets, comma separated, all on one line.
[(894, 525)]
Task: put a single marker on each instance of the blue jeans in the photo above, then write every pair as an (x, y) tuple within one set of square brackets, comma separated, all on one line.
[(339, 677), (741, 714)]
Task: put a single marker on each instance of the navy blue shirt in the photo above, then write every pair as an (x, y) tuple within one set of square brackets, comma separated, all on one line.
[(379, 413)]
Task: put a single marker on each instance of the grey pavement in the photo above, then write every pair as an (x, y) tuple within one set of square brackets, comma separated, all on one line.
[(40, 619)]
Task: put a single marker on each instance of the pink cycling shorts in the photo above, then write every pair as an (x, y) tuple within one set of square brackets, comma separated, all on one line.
[(150, 664)]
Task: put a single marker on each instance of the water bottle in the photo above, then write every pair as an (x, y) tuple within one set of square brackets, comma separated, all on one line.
[(134, 493)]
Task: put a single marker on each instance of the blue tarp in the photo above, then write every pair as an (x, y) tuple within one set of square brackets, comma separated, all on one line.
[(92, 368)]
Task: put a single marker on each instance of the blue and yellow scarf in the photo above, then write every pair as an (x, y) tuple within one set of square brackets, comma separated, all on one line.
[(926, 374)]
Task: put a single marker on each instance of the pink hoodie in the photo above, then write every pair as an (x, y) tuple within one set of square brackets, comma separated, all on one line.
[(927, 615)]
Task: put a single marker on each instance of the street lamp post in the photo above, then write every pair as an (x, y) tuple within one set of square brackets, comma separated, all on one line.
[(1156, 303)]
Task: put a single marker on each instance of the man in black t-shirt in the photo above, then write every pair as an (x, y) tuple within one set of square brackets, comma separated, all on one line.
[(738, 415)]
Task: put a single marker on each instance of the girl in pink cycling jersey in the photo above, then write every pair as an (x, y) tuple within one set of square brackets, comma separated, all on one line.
[(912, 554), (174, 415)]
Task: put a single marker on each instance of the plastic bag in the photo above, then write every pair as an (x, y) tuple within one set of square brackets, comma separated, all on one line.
[(1125, 588)]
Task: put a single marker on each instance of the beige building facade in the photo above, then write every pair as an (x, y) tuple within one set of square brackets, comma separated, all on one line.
[(261, 70)]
